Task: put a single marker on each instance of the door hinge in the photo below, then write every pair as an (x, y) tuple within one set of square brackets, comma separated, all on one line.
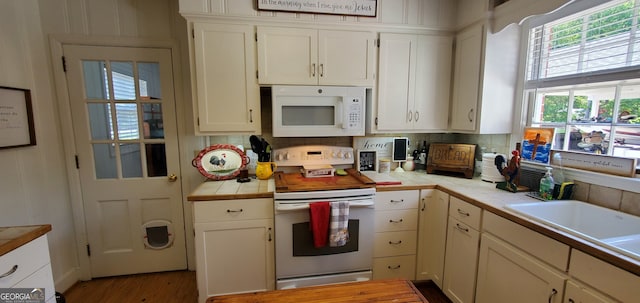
[(64, 64), (193, 33), (376, 121), (88, 250), (256, 35), (257, 74), (378, 43), (77, 162)]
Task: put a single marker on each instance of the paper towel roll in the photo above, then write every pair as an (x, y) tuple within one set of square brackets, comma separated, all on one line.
[(490, 172)]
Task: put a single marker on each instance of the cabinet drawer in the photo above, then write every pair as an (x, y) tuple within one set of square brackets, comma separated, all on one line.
[(402, 199), (28, 258), (396, 220), (617, 283), (42, 278), (465, 212), (232, 210), (401, 267), (543, 247), (395, 243)]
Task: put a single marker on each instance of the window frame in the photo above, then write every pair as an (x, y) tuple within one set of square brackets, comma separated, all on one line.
[(525, 109)]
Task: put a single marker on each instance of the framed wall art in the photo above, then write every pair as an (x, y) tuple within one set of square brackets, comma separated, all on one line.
[(367, 160), (365, 8), (16, 118)]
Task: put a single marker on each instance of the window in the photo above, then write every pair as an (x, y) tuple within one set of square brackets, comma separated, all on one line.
[(582, 79)]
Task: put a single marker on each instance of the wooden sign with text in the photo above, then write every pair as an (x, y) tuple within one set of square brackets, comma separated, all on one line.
[(458, 158), (625, 167), (365, 8)]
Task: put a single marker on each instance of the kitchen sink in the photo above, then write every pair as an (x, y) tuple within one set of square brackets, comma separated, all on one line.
[(612, 229)]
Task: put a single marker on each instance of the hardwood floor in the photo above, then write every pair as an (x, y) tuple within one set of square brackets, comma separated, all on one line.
[(170, 287)]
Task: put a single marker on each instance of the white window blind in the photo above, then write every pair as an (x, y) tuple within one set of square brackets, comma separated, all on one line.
[(600, 41)]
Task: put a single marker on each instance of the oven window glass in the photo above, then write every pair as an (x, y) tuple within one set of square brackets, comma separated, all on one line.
[(308, 115), (303, 241)]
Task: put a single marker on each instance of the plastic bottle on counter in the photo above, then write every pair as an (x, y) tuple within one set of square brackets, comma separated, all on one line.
[(546, 185)]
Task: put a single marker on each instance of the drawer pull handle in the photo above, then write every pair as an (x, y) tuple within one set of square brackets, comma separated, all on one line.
[(234, 210), (553, 293), (396, 201), (460, 211), (393, 267), (395, 243), (10, 272), (462, 228), (395, 221)]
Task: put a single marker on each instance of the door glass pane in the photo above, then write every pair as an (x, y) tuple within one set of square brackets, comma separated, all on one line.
[(104, 161), (131, 163), (153, 124), (149, 81), (127, 115), (124, 87), (156, 160), (95, 80), (100, 121)]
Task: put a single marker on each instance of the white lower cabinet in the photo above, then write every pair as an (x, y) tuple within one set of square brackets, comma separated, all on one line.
[(575, 292), (507, 274), (461, 258), (432, 235), (29, 266), (604, 278), (224, 263), (396, 235)]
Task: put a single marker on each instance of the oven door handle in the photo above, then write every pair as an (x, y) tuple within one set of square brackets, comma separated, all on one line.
[(302, 206)]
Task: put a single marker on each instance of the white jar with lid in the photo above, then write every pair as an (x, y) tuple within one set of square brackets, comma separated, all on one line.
[(384, 166)]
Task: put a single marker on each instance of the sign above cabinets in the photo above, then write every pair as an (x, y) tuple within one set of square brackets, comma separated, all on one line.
[(365, 8)]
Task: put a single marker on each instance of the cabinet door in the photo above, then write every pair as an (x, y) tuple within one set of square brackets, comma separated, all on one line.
[(432, 83), (577, 293), (466, 79), (287, 56), (432, 224), (346, 58), (226, 265), (506, 275), (228, 95), (395, 81), (461, 262)]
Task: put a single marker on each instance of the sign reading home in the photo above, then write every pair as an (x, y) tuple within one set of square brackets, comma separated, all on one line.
[(365, 8)]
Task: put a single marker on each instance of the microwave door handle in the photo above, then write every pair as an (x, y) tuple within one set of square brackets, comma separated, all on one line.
[(343, 113)]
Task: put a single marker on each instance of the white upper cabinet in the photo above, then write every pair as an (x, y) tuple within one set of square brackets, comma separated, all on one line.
[(226, 90), (413, 83), (485, 73), (315, 57)]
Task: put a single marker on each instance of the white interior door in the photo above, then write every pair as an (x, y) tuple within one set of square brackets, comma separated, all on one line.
[(123, 111)]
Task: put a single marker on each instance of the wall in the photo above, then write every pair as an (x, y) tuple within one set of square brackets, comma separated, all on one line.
[(33, 183)]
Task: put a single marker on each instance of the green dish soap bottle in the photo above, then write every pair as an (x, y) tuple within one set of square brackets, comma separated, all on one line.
[(547, 185)]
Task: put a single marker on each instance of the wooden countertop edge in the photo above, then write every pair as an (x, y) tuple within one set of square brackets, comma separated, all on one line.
[(24, 238), (197, 198), (592, 249)]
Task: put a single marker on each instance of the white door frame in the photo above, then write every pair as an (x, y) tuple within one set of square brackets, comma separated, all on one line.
[(64, 110)]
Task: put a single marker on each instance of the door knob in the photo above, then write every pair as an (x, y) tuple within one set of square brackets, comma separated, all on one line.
[(172, 178)]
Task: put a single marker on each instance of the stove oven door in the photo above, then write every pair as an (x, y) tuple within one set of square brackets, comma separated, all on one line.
[(297, 258)]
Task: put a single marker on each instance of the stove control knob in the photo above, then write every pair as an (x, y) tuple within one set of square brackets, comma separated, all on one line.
[(333, 154), (347, 155), (340, 155), (279, 157), (287, 156)]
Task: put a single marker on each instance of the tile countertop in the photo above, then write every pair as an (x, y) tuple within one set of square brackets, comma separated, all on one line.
[(475, 191), (12, 237)]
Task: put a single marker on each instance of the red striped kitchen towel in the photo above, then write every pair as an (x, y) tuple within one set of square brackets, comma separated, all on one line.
[(319, 222), (339, 224)]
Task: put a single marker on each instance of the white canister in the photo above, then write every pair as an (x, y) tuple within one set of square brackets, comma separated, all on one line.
[(409, 165), (384, 166)]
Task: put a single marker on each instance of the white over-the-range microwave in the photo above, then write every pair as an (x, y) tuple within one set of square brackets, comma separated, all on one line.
[(318, 111)]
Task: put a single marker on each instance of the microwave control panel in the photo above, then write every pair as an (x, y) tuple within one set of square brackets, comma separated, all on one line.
[(354, 113)]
